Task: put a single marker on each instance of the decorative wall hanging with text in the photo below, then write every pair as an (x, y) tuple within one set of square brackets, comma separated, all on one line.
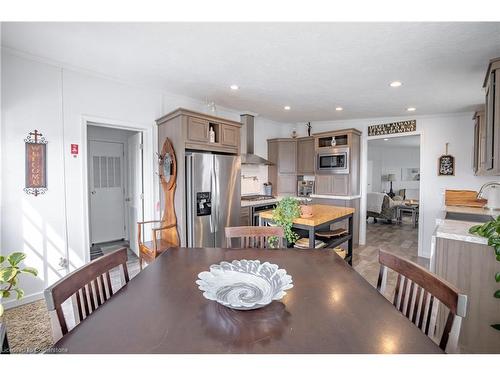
[(393, 128), (36, 163), (446, 164)]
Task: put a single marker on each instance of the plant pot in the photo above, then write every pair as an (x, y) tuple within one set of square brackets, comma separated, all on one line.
[(306, 211)]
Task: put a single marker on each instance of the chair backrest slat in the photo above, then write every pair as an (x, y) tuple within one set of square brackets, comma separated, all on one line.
[(254, 237), (84, 285), (427, 287)]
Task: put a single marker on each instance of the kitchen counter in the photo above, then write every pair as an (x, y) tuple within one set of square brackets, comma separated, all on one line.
[(458, 230), (321, 215), (266, 201), (340, 197)]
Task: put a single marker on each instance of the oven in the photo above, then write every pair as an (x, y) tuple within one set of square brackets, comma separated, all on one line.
[(333, 161)]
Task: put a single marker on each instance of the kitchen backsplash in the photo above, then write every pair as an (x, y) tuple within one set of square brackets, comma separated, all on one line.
[(253, 178)]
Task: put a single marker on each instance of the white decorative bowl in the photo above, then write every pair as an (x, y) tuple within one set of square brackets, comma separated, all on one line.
[(244, 284)]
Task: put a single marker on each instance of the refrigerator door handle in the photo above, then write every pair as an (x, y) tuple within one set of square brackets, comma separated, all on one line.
[(213, 217), (217, 194)]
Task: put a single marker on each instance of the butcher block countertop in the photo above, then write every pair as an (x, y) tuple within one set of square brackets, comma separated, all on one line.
[(321, 214)]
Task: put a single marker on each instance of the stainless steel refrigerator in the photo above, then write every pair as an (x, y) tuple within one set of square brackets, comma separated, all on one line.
[(213, 197)]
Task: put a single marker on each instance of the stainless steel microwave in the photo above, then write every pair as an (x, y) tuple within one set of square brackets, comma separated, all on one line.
[(333, 161)]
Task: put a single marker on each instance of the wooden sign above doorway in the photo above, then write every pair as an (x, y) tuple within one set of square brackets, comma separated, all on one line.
[(36, 163), (393, 128)]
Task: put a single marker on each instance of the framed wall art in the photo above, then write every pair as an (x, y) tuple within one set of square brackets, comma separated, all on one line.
[(36, 163)]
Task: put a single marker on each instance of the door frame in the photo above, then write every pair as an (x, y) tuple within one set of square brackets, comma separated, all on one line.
[(364, 186), (149, 141)]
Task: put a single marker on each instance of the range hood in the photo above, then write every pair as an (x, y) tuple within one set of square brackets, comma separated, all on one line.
[(247, 155)]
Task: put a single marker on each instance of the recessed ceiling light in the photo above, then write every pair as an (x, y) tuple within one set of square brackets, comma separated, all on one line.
[(395, 84), (339, 108), (287, 108), (234, 87), (386, 139), (411, 109)]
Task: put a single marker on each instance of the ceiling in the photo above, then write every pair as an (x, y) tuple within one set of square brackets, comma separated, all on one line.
[(312, 67), (403, 141)]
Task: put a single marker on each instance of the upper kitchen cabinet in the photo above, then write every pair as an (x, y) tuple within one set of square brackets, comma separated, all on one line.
[(282, 152), (479, 153), (305, 156), (491, 164), (193, 129), (337, 162)]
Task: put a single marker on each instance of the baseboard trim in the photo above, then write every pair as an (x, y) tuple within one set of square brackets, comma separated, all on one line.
[(26, 299)]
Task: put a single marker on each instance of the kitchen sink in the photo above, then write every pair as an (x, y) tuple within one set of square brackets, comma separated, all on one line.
[(462, 216)]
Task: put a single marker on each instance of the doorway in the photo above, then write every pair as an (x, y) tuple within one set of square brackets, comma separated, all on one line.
[(393, 202), (116, 188)]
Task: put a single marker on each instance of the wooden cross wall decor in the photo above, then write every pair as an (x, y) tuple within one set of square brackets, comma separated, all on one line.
[(36, 163)]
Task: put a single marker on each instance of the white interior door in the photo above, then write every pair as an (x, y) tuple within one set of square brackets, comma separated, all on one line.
[(106, 180), (369, 178), (135, 196)]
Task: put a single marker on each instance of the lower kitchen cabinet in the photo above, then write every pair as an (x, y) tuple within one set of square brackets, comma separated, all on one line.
[(337, 184), (245, 216)]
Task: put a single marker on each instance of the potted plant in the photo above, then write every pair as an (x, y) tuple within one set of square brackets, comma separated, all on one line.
[(10, 269), (287, 210), (491, 231)]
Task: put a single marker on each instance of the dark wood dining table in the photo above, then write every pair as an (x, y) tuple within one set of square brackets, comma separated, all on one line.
[(330, 309)]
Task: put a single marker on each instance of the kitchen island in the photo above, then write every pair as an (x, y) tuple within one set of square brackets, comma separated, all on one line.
[(466, 261), (323, 217)]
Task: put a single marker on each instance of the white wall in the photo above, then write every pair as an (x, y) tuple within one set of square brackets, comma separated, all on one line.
[(457, 129), (57, 101), (392, 160)]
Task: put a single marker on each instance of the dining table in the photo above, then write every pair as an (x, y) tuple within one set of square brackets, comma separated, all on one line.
[(330, 309)]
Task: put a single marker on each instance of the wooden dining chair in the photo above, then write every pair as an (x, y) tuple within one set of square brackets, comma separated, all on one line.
[(253, 237), (89, 285), (416, 292)]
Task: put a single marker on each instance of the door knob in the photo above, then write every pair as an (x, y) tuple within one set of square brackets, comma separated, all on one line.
[(92, 192)]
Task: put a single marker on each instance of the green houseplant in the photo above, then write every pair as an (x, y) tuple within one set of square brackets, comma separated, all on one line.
[(491, 231), (10, 270), (285, 212)]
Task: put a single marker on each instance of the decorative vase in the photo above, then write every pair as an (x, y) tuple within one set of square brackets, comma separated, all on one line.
[(306, 211), (334, 142)]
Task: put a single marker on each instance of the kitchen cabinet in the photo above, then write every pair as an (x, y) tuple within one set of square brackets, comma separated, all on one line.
[(470, 267), (197, 129), (282, 152), (191, 129), (337, 184), (479, 154), (491, 165), (230, 135), (327, 181), (245, 219), (305, 156)]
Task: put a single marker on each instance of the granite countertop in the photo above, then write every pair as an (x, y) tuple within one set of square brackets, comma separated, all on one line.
[(458, 230), (267, 201), (340, 197)]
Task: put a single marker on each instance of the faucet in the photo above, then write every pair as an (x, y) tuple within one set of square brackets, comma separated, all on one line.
[(492, 203)]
